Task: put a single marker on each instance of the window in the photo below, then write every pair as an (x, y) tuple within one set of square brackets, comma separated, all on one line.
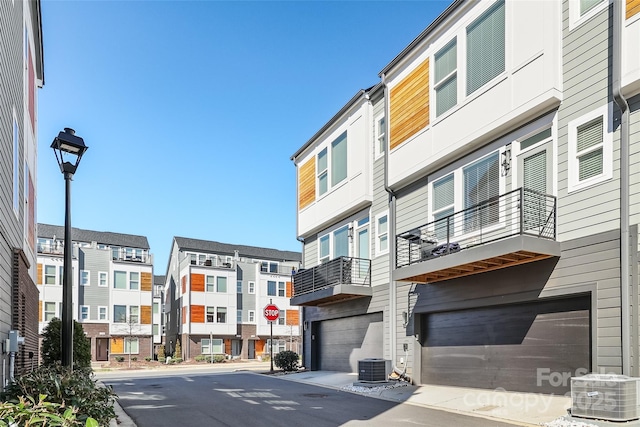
[(382, 234), (131, 345), (215, 346), (587, 5), (119, 314), (321, 168), (49, 311), (103, 278), (341, 242), (156, 308), (115, 252), (84, 277), (481, 184), (211, 314), (238, 316), (271, 267), (134, 314), (211, 287), (239, 286), (102, 313), (581, 11), (443, 204), (252, 287), (16, 166), (222, 315), (155, 329), (324, 248), (251, 316), (61, 275), (446, 78), (50, 275), (278, 346), (281, 318), (84, 312), (339, 159), (486, 47), (221, 284), (271, 288), (381, 136), (120, 280), (590, 148), (134, 280), (281, 289)]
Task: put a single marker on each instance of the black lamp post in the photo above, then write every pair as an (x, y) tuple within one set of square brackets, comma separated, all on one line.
[(69, 149)]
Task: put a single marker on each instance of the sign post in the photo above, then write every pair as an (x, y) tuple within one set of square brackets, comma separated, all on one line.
[(271, 313)]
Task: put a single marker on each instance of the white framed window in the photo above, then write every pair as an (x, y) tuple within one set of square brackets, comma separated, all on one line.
[(49, 311), (50, 275), (282, 289), (214, 346), (210, 284), (102, 313), (271, 288), (221, 284), (269, 267), (331, 167), (84, 312), (131, 345), (210, 314), (446, 77), (590, 148), (443, 204), (134, 314), (120, 280), (119, 314), (252, 287), (85, 276), (580, 11), (382, 233), (156, 308), (381, 135), (324, 250), (134, 280), (221, 315), (103, 278), (278, 346), (251, 315), (486, 42), (322, 172), (281, 318)]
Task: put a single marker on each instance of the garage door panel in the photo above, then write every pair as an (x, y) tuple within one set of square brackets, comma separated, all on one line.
[(506, 346)]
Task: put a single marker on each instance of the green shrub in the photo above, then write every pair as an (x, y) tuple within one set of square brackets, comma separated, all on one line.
[(134, 359), (201, 358), (161, 359), (119, 358), (161, 352), (219, 358), (147, 359), (52, 344), (172, 361), (67, 390), (178, 359), (286, 360), (29, 413)]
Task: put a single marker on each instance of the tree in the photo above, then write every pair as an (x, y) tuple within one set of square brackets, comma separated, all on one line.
[(52, 344), (177, 354), (131, 328)]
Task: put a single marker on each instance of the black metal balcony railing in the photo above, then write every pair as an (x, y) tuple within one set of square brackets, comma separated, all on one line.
[(339, 271), (518, 212)]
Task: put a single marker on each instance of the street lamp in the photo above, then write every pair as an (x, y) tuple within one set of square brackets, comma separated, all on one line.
[(69, 149)]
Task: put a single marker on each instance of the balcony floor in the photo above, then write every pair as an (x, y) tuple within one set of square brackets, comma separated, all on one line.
[(331, 295), (491, 256)]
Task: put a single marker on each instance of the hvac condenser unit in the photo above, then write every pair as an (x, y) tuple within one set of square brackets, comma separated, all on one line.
[(605, 397), (373, 370)]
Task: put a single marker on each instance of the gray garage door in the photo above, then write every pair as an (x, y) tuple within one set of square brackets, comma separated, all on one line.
[(532, 347), (342, 342)]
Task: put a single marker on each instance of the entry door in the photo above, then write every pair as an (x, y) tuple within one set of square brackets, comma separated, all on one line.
[(535, 176), (102, 349), (363, 251), (251, 349)]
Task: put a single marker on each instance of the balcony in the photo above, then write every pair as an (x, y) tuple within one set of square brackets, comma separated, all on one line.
[(333, 281), (515, 228)]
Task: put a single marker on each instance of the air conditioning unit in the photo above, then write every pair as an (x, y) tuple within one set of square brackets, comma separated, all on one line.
[(373, 370), (605, 397)]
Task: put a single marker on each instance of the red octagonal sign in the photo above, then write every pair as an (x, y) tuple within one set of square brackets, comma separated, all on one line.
[(271, 312)]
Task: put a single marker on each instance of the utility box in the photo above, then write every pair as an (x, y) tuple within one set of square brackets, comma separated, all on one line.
[(373, 370), (605, 397)]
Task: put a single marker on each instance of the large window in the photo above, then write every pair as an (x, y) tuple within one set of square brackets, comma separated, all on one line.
[(486, 47), (443, 204), (481, 188), (221, 284), (339, 159), (214, 346), (446, 78), (271, 288), (119, 314), (221, 315), (120, 280), (269, 267), (131, 345), (341, 242)]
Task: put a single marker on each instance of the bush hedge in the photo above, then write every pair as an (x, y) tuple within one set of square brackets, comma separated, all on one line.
[(286, 360)]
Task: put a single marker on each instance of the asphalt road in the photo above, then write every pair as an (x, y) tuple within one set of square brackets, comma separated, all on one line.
[(251, 399)]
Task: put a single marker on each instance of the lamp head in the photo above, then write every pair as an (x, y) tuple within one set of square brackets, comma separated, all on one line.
[(69, 149)]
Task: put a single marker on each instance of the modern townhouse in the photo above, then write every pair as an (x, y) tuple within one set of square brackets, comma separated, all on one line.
[(510, 179), (21, 74), (158, 310), (215, 296), (112, 289)]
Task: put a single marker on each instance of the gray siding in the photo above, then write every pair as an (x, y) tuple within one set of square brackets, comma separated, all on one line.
[(94, 261)]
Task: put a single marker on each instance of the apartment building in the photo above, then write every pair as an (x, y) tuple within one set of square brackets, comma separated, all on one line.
[(215, 296), (21, 74), (158, 310), (113, 295), (497, 176)]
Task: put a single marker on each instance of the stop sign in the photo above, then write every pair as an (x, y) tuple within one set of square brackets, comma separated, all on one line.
[(271, 312)]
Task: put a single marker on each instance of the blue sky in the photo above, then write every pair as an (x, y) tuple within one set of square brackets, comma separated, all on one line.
[(192, 109)]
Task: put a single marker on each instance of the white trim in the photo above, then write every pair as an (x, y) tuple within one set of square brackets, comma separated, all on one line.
[(251, 316), (106, 275), (106, 312), (251, 287), (606, 112), (88, 282), (88, 312), (377, 135), (575, 20), (379, 216)]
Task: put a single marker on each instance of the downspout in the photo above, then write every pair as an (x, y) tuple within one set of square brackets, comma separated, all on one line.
[(301, 324), (393, 309), (625, 280)]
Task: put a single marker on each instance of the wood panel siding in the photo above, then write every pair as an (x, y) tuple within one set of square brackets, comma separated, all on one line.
[(145, 315), (185, 310), (292, 317), (409, 105), (146, 281), (633, 8), (184, 284), (306, 183), (289, 291), (227, 346), (117, 345), (39, 278), (260, 344), (197, 313), (39, 311), (197, 282)]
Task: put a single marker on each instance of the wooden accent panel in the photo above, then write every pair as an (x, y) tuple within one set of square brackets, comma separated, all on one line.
[(289, 290), (117, 345), (260, 345), (145, 315), (633, 8), (185, 311), (227, 346), (39, 310), (293, 317), (39, 278), (146, 281), (184, 284), (197, 282), (197, 314), (307, 183), (409, 105)]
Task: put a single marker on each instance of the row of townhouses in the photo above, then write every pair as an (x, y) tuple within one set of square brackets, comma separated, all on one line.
[(473, 217)]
